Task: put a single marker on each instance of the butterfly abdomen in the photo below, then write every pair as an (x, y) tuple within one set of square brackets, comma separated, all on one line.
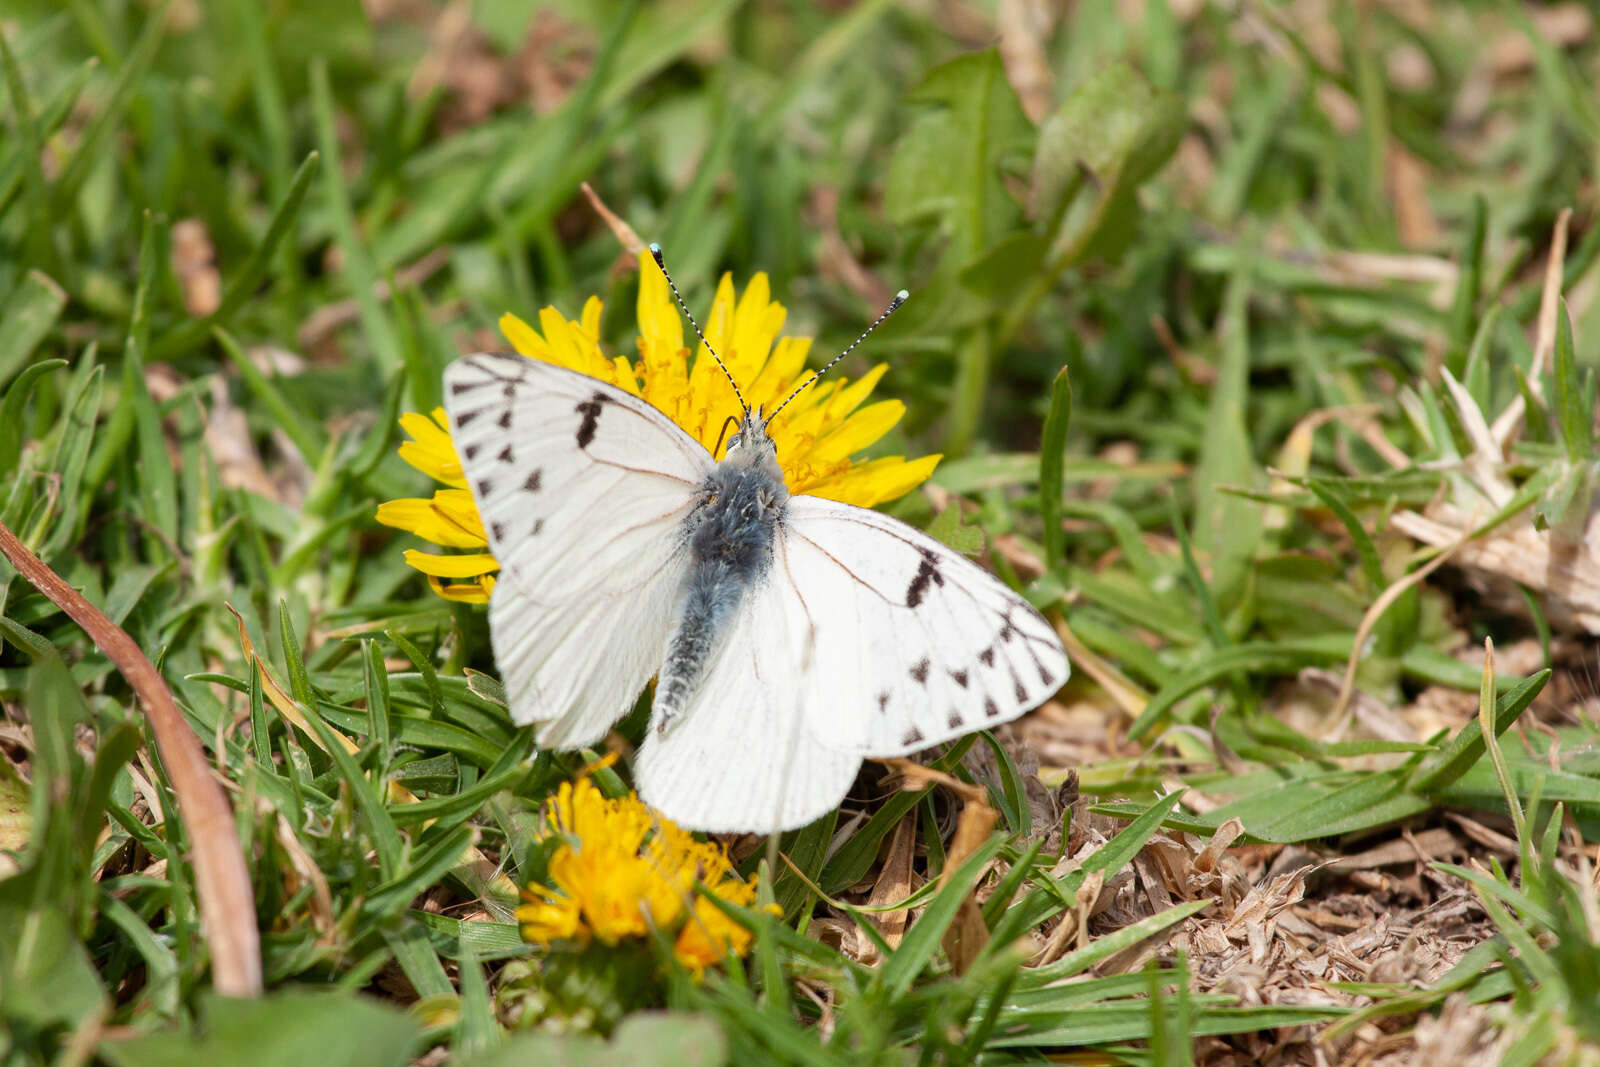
[(730, 534)]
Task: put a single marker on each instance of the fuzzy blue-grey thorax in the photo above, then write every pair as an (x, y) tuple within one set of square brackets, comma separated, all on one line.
[(729, 534)]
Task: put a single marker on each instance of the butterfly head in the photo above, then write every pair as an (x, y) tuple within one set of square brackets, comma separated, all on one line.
[(751, 445)]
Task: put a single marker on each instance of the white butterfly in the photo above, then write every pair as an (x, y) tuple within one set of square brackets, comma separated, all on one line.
[(627, 552)]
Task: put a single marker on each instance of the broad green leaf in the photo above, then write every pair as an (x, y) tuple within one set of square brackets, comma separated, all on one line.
[(1000, 270), (661, 1039), (45, 974), (948, 528), (488, 940), (284, 1029), (949, 165), (1120, 130)]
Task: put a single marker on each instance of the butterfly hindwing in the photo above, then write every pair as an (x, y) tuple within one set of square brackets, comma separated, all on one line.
[(739, 758), (915, 643), (582, 489)]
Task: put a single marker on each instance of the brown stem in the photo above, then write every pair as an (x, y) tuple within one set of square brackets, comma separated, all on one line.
[(222, 881)]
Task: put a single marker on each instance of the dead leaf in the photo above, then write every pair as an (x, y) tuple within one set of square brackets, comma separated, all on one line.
[(194, 261), (967, 935), (1024, 29), (894, 880)]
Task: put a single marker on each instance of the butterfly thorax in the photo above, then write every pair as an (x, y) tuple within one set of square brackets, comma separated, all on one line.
[(729, 535)]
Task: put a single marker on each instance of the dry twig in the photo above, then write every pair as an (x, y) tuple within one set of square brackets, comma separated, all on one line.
[(222, 880)]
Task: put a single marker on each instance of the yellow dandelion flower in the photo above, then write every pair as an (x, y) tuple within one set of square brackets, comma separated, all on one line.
[(709, 937), (817, 434), (549, 916), (619, 870)]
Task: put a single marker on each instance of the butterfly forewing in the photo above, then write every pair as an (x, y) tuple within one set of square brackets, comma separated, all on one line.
[(582, 489), (915, 644)]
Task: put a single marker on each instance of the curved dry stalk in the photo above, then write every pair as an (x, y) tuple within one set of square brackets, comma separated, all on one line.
[(1510, 420), (222, 880), (626, 235), (1369, 620)]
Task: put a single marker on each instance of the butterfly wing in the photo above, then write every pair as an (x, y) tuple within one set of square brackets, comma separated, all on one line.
[(582, 488), (915, 644), (739, 759)]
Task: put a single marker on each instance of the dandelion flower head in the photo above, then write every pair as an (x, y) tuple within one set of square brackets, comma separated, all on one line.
[(619, 870)]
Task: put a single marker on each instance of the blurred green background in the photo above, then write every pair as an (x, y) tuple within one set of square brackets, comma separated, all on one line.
[(1294, 248)]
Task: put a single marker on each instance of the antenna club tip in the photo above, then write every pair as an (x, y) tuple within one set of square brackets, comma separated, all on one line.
[(655, 251), (901, 297)]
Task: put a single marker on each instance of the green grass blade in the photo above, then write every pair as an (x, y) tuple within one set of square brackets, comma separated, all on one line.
[(1108, 945), (413, 951), (306, 435), (14, 403), (16, 166), (1467, 746), (1226, 528), (91, 147), (34, 185), (1052, 895), (158, 482), (1052, 459), (1469, 282), (1575, 419), (425, 870), (923, 939), (359, 266), (245, 283), (29, 312), (1256, 657), (476, 1029), (1475, 376)]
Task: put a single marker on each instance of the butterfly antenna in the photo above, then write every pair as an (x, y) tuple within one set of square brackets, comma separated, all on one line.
[(655, 251), (894, 305)]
